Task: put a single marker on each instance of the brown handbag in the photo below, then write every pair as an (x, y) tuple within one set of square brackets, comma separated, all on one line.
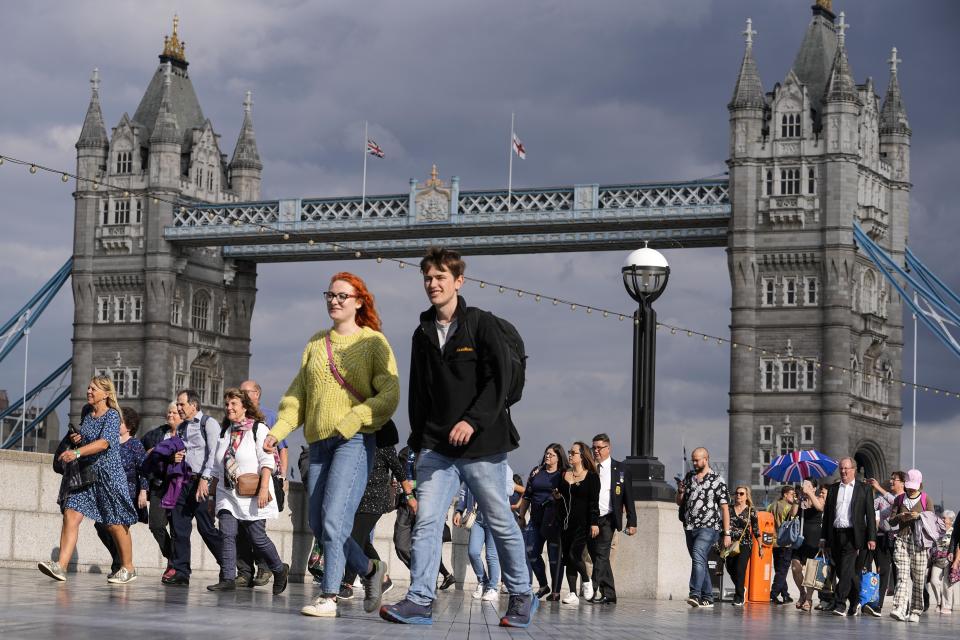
[(248, 485)]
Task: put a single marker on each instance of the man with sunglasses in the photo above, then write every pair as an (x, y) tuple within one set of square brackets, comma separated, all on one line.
[(615, 499)]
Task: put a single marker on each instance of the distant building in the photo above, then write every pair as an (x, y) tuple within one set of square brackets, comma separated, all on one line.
[(44, 438)]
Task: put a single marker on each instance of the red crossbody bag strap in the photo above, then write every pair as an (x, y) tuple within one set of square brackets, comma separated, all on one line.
[(336, 374)]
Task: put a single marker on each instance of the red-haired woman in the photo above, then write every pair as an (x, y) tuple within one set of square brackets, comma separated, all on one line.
[(346, 389)]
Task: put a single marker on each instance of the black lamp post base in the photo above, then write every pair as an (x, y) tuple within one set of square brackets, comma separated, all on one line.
[(648, 480)]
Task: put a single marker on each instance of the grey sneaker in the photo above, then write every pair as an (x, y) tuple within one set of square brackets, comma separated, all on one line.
[(122, 576), (373, 587), (53, 570)]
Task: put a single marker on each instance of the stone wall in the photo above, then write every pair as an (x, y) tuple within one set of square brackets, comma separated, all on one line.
[(653, 564)]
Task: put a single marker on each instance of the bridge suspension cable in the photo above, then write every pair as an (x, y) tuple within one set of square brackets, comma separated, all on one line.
[(14, 329)]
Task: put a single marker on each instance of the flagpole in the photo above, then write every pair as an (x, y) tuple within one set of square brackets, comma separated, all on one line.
[(363, 196), (510, 165), (23, 407), (913, 455)]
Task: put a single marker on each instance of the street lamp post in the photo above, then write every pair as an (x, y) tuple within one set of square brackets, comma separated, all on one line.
[(645, 274)]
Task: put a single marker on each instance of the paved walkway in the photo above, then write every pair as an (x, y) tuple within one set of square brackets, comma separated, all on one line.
[(33, 606)]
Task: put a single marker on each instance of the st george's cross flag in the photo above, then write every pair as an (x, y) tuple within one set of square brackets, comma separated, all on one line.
[(373, 148), (518, 147)]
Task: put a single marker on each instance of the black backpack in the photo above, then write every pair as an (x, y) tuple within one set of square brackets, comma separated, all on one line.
[(517, 374)]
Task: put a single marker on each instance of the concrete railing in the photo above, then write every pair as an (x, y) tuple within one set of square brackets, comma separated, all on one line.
[(653, 564)]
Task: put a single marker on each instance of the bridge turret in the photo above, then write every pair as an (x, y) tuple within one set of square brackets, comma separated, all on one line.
[(894, 127), (245, 167), (165, 141), (748, 102), (92, 145)]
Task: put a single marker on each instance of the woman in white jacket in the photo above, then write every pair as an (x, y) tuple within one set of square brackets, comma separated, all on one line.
[(242, 500)]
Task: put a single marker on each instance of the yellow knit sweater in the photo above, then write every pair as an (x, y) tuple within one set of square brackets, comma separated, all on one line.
[(317, 401)]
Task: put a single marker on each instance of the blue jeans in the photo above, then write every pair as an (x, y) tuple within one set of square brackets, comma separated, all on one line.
[(699, 542), (438, 479), (535, 541), (337, 479), (481, 534)]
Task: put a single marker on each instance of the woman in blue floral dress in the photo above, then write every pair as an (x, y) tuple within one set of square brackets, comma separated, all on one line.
[(107, 500)]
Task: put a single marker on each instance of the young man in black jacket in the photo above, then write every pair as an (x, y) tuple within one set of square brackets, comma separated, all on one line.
[(459, 423)]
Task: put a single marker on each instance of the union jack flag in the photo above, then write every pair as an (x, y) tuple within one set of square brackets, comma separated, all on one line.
[(373, 148)]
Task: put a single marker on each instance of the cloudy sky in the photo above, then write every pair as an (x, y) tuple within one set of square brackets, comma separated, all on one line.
[(613, 91)]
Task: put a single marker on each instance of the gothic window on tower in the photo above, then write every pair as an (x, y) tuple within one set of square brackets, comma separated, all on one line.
[(198, 382), (790, 181), (787, 442), (768, 292), (810, 375), (868, 292), (176, 312), (136, 309), (133, 380), (768, 188), (224, 324), (105, 211), (790, 380), (811, 298), (806, 434), (119, 309), (138, 218), (120, 383), (766, 433), (811, 180), (125, 162), (103, 309), (210, 179), (768, 375), (179, 382), (766, 457), (790, 125), (790, 292), (200, 310), (121, 212)]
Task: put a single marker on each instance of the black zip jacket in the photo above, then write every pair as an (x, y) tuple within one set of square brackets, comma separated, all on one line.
[(463, 382)]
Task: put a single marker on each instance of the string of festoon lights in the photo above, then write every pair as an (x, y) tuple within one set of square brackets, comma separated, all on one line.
[(555, 301)]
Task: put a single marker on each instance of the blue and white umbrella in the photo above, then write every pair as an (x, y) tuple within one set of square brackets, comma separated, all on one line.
[(797, 466)]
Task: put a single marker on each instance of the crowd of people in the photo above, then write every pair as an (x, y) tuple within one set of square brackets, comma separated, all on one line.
[(859, 527), (229, 476)]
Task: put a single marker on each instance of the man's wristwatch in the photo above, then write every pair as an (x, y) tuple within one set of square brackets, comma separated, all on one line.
[(207, 478), (726, 533)]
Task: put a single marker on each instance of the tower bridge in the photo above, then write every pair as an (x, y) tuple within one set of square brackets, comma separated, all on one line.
[(164, 294)]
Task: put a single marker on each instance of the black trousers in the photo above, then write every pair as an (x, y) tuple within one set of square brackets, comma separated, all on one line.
[(884, 559), (573, 541), (182, 515), (160, 525), (403, 537), (781, 569), (103, 532), (849, 562), (737, 569), (599, 549), (363, 525)]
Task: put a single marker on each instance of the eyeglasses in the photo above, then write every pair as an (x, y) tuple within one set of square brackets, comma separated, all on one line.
[(549, 454), (341, 297), (573, 452), (600, 447)]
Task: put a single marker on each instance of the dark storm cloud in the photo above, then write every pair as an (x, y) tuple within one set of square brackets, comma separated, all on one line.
[(608, 92)]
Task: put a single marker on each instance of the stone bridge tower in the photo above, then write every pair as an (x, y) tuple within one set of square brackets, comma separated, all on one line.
[(807, 160), (154, 317)]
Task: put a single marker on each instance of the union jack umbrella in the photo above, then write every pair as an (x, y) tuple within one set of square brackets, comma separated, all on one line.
[(800, 465)]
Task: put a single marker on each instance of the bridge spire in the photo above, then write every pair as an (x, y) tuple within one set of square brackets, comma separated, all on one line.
[(748, 92), (893, 115), (841, 86), (93, 133), (173, 47), (166, 129), (245, 154)]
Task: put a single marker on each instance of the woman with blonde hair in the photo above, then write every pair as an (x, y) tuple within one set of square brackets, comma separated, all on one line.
[(106, 499), (346, 389), (743, 530)]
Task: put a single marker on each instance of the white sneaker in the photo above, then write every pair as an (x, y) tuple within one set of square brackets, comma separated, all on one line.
[(321, 608), (914, 616), (53, 570), (896, 614), (122, 576), (571, 598), (490, 595), (587, 590), (478, 592)]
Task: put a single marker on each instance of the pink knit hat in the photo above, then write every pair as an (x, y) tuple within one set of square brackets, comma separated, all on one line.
[(914, 479)]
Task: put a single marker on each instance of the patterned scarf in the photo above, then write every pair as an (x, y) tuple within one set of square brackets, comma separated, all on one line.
[(230, 465)]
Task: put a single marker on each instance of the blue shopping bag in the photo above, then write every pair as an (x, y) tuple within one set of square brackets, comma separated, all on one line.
[(869, 586)]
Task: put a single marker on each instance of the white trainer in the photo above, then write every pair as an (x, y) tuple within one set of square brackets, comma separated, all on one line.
[(571, 598), (122, 576), (914, 616), (896, 614), (587, 592), (478, 592), (321, 608), (490, 595)]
